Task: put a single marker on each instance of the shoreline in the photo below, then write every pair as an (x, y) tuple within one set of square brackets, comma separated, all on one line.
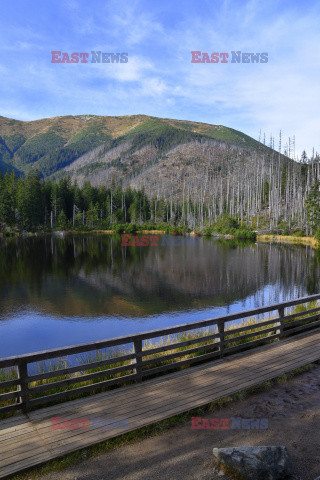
[(261, 238), (288, 239)]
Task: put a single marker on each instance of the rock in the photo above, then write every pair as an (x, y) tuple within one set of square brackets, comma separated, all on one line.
[(253, 463), (59, 233)]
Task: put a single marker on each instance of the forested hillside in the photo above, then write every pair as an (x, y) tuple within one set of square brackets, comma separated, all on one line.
[(51, 144), (139, 169), (32, 204)]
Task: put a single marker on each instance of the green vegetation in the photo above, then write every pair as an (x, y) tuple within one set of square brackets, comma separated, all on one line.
[(29, 203), (233, 137), (39, 145), (36, 205), (313, 207), (14, 142), (158, 134), (227, 225), (51, 144)]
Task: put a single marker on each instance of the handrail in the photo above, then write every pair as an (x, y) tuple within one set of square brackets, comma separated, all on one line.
[(215, 343)]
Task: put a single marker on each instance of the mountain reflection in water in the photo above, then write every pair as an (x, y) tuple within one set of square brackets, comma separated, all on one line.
[(80, 288)]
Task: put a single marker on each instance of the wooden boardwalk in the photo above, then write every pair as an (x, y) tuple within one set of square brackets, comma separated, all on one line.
[(29, 439)]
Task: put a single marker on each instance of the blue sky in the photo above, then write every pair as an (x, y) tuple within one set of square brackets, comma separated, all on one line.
[(159, 78)]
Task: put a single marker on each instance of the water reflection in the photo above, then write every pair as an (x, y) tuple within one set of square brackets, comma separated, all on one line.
[(50, 283)]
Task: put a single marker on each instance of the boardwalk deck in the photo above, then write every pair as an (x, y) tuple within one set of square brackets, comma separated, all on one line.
[(28, 439)]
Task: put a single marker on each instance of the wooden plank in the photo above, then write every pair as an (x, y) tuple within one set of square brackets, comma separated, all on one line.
[(201, 370), (181, 403), (251, 334), (9, 383), (299, 314), (90, 398), (182, 353), (29, 441), (301, 328), (231, 331), (24, 463), (301, 320), (77, 391), (15, 432), (81, 378), (173, 346), (188, 361), (161, 402), (184, 388), (249, 345), (308, 350), (183, 407), (6, 396), (16, 419), (79, 368), (10, 408)]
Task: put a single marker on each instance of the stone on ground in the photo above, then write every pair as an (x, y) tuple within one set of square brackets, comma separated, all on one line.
[(253, 463)]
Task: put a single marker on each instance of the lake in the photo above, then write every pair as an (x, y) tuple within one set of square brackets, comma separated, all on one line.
[(80, 288)]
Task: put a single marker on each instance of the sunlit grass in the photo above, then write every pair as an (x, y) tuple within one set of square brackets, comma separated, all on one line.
[(289, 239)]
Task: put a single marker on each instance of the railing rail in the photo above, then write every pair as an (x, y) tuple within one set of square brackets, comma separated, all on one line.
[(137, 362)]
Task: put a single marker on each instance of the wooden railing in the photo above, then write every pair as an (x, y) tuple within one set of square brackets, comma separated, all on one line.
[(144, 354)]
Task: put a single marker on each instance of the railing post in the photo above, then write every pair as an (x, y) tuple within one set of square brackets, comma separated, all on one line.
[(23, 386), (281, 322), (137, 345), (221, 336)]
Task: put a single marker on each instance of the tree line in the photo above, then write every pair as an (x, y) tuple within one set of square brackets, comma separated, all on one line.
[(276, 197)]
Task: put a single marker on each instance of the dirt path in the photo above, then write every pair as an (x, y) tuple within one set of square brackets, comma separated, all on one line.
[(293, 413)]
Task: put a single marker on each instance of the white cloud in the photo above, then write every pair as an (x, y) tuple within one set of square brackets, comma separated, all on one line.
[(282, 94)]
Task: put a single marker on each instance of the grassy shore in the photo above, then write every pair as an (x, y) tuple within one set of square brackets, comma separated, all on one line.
[(292, 239), (288, 239), (113, 232)]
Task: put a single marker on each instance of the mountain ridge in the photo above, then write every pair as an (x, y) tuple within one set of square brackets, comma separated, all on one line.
[(140, 151), (53, 143)]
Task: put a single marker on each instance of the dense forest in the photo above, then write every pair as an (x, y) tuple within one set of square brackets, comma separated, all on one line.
[(288, 203), (92, 172), (30, 203)]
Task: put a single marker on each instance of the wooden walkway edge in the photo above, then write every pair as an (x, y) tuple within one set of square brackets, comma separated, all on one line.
[(28, 440)]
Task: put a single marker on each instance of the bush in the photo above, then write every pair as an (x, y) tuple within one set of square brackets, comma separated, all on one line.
[(299, 233), (126, 228), (226, 223), (150, 226), (175, 230), (207, 231), (245, 234)]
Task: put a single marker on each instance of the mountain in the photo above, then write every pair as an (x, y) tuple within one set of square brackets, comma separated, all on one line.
[(160, 154), (51, 144)]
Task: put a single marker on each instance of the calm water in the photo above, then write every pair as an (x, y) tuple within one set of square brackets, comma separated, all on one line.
[(63, 291)]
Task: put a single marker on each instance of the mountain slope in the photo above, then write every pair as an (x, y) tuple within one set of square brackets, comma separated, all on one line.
[(52, 144)]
